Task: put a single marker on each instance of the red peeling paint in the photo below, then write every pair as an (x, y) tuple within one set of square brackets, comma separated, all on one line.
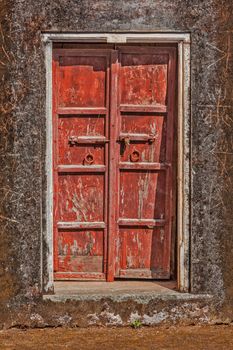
[(113, 123)]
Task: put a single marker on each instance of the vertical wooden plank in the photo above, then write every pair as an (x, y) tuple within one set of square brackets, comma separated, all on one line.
[(106, 185), (169, 155), (112, 166), (55, 153)]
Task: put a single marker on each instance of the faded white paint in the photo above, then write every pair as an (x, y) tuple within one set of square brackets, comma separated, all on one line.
[(161, 37), (184, 180), (183, 168), (49, 174)]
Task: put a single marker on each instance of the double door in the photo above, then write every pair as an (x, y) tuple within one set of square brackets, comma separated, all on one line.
[(113, 126)]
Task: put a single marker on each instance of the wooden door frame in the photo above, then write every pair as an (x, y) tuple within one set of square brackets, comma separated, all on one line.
[(183, 128)]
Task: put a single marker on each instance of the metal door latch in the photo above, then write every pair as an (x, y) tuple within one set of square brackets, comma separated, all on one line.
[(151, 138), (73, 140), (126, 141)]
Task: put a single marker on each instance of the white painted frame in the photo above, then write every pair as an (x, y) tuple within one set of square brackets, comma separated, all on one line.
[(184, 121)]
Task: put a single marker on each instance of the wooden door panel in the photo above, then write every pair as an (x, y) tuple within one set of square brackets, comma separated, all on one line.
[(144, 153), (142, 195), (78, 155), (92, 125), (143, 78), (84, 126), (142, 253), (144, 124), (81, 250), (135, 247), (81, 81), (82, 263), (81, 197), (151, 125)]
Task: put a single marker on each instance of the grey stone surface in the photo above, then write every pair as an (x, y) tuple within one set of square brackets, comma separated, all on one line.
[(22, 127)]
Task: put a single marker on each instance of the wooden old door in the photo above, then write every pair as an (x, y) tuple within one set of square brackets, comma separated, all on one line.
[(113, 125)]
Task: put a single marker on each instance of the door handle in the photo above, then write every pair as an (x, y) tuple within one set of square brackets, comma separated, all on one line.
[(75, 140), (127, 138)]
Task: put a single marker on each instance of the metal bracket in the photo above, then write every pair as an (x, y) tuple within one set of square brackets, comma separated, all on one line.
[(73, 140)]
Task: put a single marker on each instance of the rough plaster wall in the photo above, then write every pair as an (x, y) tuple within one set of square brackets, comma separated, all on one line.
[(22, 124)]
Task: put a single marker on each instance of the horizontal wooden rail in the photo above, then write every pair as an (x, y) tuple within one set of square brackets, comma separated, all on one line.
[(81, 168), (79, 275), (143, 273), (74, 110), (141, 222), (137, 137), (144, 108), (80, 225), (75, 140), (143, 166)]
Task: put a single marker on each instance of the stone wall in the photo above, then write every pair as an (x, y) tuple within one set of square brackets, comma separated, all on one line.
[(22, 126)]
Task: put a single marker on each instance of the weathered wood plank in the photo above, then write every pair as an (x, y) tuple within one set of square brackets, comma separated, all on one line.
[(80, 225), (81, 168), (79, 276), (143, 166), (81, 111), (141, 222), (143, 108), (143, 274)]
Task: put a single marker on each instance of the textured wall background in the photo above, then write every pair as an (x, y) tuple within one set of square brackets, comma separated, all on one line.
[(22, 126)]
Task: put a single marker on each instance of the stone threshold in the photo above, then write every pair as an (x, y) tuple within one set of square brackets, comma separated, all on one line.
[(139, 291)]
